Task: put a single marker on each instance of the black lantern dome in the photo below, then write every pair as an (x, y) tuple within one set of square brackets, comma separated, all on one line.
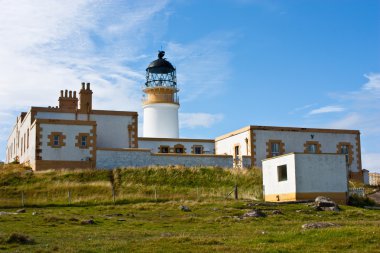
[(161, 73)]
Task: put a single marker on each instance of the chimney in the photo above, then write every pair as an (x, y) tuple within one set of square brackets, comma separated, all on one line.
[(85, 99), (67, 101)]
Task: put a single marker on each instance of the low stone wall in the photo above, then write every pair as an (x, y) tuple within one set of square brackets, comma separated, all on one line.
[(112, 158)]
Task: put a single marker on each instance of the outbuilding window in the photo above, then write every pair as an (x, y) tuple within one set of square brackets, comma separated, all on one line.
[(282, 173)]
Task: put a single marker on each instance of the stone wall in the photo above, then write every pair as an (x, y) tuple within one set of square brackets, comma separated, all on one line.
[(112, 158)]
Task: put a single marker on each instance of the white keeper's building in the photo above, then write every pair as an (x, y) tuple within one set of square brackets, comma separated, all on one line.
[(75, 135)]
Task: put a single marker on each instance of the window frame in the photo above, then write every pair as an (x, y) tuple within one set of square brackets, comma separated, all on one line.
[(79, 140), (281, 148), (195, 147), (56, 143), (162, 147)]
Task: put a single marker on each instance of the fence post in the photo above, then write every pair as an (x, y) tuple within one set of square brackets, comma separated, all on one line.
[(22, 199), (113, 194), (69, 196), (155, 194), (236, 192)]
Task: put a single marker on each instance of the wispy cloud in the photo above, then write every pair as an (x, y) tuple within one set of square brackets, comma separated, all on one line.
[(326, 109), (347, 122), (192, 120), (373, 83), (51, 45), (203, 65)]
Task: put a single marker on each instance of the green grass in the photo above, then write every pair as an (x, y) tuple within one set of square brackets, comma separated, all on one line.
[(211, 226), (130, 185), (139, 222)]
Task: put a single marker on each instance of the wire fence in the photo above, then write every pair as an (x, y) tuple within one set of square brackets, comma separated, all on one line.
[(111, 195)]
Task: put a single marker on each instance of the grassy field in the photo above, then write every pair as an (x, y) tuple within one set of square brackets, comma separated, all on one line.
[(210, 226), (140, 223), (83, 187)]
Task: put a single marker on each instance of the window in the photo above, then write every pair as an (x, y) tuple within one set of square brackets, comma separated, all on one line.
[(237, 150), (198, 150), (179, 149), (275, 148), (27, 138), (164, 149), (83, 140), (312, 147), (56, 139), (346, 149), (282, 173)]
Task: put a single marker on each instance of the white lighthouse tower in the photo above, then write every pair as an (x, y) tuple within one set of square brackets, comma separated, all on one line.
[(161, 102)]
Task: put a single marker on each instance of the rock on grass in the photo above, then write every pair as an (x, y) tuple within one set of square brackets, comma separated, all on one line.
[(319, 225), (254, 213), (88, 222), (185, 209), (20, 239)]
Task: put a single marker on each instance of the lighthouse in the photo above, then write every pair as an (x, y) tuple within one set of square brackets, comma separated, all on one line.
[(161, 101)]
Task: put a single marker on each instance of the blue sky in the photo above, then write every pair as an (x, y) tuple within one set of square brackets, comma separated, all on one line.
[(313, 63)]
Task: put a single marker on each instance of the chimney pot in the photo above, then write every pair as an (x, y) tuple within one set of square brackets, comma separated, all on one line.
[(61, 93), (70, 94), (83, 85), (65, 93), (75, 94), (88, 86)]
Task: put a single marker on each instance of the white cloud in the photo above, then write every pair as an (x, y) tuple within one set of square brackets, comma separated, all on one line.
[(51, 45), (347, 122), (327, 109), (202, 66), (192, 120), (373, 82)]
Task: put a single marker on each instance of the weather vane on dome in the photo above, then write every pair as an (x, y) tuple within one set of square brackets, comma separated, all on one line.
[(161, 54)]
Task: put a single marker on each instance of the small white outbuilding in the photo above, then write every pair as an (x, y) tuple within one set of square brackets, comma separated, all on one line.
[(300, 176)]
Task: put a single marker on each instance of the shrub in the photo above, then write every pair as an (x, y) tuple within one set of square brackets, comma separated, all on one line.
[(358, 201), (20, 239)]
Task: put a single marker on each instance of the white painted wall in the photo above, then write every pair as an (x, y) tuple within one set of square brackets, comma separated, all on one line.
[(320, 173), (270, 177), (307, 173), (227, 145), (161, 120), (294, 142), (18, 139), (68, 152), (112, 130), (366, 177), (153, 145)]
